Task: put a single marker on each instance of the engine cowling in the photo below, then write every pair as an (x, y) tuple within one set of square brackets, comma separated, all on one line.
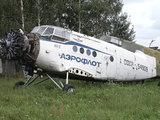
[(20, 47)]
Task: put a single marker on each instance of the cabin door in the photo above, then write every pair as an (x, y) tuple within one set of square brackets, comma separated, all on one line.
[(109, 62)]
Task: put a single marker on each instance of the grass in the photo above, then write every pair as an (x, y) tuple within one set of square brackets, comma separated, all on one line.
[(89, 102)]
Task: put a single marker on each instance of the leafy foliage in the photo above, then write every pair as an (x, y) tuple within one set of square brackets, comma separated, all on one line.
[(91, 17), (121, 27)]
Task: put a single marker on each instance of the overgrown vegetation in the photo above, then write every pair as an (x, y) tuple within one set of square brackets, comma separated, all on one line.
[(95, 102)]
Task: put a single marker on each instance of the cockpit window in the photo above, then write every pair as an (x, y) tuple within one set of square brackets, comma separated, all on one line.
[(113, 40), (52, 33), (47, 37), (59, 33), (116, 41), (107, 39), (67, 35), (102, 38), (40, 31), (58, 38), (48, 31)]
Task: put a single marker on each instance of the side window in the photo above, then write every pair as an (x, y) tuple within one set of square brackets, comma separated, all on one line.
[(67, 35), (102, 38), (114, 41), (107, 39), (59, 33), (58, 38)]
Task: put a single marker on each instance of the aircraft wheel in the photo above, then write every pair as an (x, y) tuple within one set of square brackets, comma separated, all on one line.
[(159, 84), (68, 88), (19, 84), (143, 82)]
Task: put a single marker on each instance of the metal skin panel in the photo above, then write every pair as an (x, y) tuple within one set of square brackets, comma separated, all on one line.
[(132, 46)]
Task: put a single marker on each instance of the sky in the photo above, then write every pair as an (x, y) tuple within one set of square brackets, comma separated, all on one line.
[(145, 16)]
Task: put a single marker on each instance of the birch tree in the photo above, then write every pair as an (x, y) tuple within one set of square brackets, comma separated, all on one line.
[(22, 14)]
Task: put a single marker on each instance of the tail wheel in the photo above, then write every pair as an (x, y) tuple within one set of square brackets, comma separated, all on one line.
[(68, 88)]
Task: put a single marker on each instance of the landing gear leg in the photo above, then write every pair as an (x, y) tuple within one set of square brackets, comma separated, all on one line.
[(67, 77), (68, 87)]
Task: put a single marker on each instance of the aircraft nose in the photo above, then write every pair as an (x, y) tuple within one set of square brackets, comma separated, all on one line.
[(20, 47)]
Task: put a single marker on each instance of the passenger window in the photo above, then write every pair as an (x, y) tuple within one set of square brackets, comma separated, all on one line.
[(88, 52), (81, 50), (94, 53), (75, 48)]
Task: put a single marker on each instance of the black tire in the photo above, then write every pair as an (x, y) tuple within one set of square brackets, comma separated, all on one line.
[(68, 88), (159, 84), (143, 82), (18, 84)]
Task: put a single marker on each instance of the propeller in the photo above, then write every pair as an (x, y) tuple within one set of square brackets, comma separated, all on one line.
[(13, 45)]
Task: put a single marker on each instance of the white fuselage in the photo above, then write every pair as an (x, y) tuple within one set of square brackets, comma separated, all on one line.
[(90, 57)]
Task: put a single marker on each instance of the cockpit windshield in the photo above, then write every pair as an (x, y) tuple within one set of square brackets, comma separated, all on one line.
[(41, 30), (52, 33), (49, 31)]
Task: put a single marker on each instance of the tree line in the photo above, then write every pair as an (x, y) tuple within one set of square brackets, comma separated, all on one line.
[(91, 17)]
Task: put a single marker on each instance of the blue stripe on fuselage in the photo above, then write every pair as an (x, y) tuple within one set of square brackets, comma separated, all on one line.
[(74, 43)]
